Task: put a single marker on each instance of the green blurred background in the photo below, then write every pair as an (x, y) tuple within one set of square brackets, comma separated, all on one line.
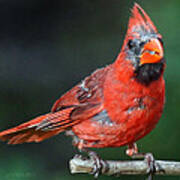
[(46, 47)]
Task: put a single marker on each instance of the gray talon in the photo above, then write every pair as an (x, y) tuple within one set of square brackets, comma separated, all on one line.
[(98, 163), (151, 164)]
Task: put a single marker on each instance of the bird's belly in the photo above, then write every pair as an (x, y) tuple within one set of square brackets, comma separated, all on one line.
[(127, 125)]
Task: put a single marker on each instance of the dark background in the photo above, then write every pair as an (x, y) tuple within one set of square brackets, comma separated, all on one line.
[(46, 47)]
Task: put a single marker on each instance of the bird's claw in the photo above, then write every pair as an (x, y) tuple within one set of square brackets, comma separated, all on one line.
[(148, 157), (98, 163)]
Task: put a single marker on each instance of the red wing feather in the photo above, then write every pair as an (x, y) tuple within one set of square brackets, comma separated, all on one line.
[(80, 103), (39, 128), (87, 93)]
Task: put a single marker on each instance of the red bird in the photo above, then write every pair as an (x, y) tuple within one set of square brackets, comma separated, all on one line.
[(114, 106)]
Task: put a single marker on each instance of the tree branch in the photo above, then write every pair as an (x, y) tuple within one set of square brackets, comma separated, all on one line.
[(84, 165)]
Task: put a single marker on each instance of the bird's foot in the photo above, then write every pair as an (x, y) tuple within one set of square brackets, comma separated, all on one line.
[(149, 159), (132, 151), (99, 164)]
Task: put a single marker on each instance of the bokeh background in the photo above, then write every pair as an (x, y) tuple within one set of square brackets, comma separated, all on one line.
[(46, 47)]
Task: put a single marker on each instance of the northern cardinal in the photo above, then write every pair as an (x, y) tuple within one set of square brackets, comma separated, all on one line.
[(114, 106)]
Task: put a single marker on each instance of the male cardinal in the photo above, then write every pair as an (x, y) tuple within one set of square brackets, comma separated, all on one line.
[(114, 106)]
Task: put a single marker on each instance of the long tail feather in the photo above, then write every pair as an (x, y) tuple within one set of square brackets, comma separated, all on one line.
[(39, 128)]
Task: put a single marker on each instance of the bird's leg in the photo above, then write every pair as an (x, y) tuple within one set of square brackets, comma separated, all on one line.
[(132, 151), (99, 164)]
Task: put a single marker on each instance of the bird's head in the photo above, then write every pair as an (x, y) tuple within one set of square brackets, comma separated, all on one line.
[(143, 47)]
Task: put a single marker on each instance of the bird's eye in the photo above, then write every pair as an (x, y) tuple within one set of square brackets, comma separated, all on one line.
[(130, 44), (142, 43)]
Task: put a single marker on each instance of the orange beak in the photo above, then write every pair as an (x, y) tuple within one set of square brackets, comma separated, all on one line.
[(152, 52)]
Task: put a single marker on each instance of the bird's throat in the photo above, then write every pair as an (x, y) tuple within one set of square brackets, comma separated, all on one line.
[(148, 73)]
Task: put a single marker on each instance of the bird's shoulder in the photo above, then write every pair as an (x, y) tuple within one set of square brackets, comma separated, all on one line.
[(89, 92)]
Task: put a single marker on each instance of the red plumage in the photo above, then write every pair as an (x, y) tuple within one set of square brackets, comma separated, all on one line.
[(114, 106)]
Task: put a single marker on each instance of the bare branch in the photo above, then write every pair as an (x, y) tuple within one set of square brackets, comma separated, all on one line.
[(82, 165)]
